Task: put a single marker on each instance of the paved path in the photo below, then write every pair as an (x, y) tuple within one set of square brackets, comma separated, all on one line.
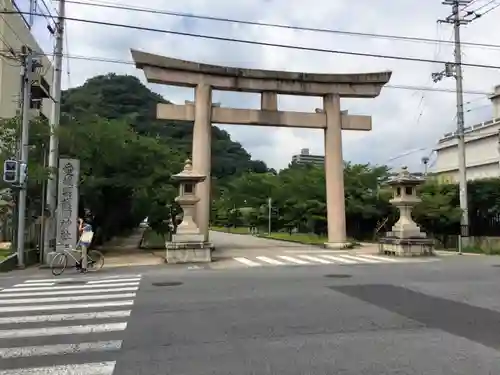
[(125, 251), (243, 251), (231, 245)]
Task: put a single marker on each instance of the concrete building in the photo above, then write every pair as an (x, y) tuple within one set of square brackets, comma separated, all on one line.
[(482, 149), (305, 157), (15, 32)]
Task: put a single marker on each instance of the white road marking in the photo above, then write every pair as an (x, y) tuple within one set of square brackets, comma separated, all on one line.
[(293, 260), (65, 307), (34, 284), (64, 299), (383, 259), (76, 287), (63, 292), (45, 295), (270, 260), (60, 349), (56, 280), (247, 262), (315, 259), (124, 276), (361, 259), (338, 259), (103, 368), (113, 281), (55, 331), (64, 317), (317, 251)]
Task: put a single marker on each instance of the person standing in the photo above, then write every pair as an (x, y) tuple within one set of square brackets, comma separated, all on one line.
[(85, 237)]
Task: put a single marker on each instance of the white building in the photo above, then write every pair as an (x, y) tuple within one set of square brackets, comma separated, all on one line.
[(305, 157), (15, 33), (482, 149)]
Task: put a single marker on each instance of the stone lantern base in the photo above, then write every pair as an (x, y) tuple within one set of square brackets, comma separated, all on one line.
[(406, 247), (188, 248)]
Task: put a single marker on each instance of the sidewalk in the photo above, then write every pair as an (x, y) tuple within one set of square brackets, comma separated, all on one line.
[(125, 251)]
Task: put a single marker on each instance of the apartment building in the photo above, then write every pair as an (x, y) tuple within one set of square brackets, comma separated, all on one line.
[(305, 157), (482, 149), (16, 32)]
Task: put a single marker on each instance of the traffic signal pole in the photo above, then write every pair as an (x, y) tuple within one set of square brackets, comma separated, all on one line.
[(27, 64)]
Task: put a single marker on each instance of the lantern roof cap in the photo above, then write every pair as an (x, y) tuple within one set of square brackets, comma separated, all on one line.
[(404, 177), (188, 174)]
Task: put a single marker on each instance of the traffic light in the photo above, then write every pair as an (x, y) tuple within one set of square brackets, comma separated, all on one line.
[(10, 171), (23, 173)]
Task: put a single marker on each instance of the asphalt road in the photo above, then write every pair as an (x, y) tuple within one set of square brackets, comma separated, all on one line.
[(423, 318)]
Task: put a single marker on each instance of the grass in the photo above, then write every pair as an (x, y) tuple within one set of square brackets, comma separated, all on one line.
[(481, 250), (304, 238), (4, 253)]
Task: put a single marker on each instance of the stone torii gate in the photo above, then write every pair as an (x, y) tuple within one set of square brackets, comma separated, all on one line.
[(204, 78)]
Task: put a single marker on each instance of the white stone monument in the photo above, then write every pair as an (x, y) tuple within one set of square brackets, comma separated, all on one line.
[(188, 244), (406, 237)]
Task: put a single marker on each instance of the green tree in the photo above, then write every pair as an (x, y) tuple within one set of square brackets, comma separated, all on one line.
[(124, 97), (38, 147), (438, 213), (124, 175)]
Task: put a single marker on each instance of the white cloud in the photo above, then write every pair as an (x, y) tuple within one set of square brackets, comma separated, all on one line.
[(403, 119)]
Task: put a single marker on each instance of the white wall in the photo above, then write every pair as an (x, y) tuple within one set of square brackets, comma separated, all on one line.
[(14, 33), (481, 153)]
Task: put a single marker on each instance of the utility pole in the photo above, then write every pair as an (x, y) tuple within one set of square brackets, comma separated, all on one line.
[(27, 72), (455, 70), (55, 116), (269, 211)]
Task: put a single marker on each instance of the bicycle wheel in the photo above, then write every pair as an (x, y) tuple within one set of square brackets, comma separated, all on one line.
[(58, 264), (95, 260)]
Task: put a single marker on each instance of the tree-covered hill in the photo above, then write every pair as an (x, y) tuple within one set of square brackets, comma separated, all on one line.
[(124, 97)]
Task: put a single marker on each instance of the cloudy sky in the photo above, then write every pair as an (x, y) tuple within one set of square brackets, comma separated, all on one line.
[(403, 120)]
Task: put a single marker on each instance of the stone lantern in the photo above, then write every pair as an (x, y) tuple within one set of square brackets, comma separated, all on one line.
[(406, 238), (188, 244)]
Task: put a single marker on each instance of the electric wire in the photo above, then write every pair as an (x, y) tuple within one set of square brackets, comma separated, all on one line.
[(108, 5), (266, 44)]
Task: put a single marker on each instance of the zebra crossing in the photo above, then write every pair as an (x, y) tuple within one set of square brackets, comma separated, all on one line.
[(321, 258), (53, 326)]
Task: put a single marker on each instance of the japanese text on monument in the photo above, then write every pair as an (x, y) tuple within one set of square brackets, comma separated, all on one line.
[(68, 183)]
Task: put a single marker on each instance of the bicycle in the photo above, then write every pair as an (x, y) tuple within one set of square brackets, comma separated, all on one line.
[(95, 261)]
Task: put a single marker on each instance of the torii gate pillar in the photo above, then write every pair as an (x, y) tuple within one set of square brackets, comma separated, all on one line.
[(202, 154), (331, 87)]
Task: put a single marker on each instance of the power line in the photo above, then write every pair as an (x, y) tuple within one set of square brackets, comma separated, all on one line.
[(401, 87), (102, 4), (468, 5), (390, 86), (482, 6), (48, 11), (491, 9), (475, 13), (119, 61), (266, 44), (11, 28)]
